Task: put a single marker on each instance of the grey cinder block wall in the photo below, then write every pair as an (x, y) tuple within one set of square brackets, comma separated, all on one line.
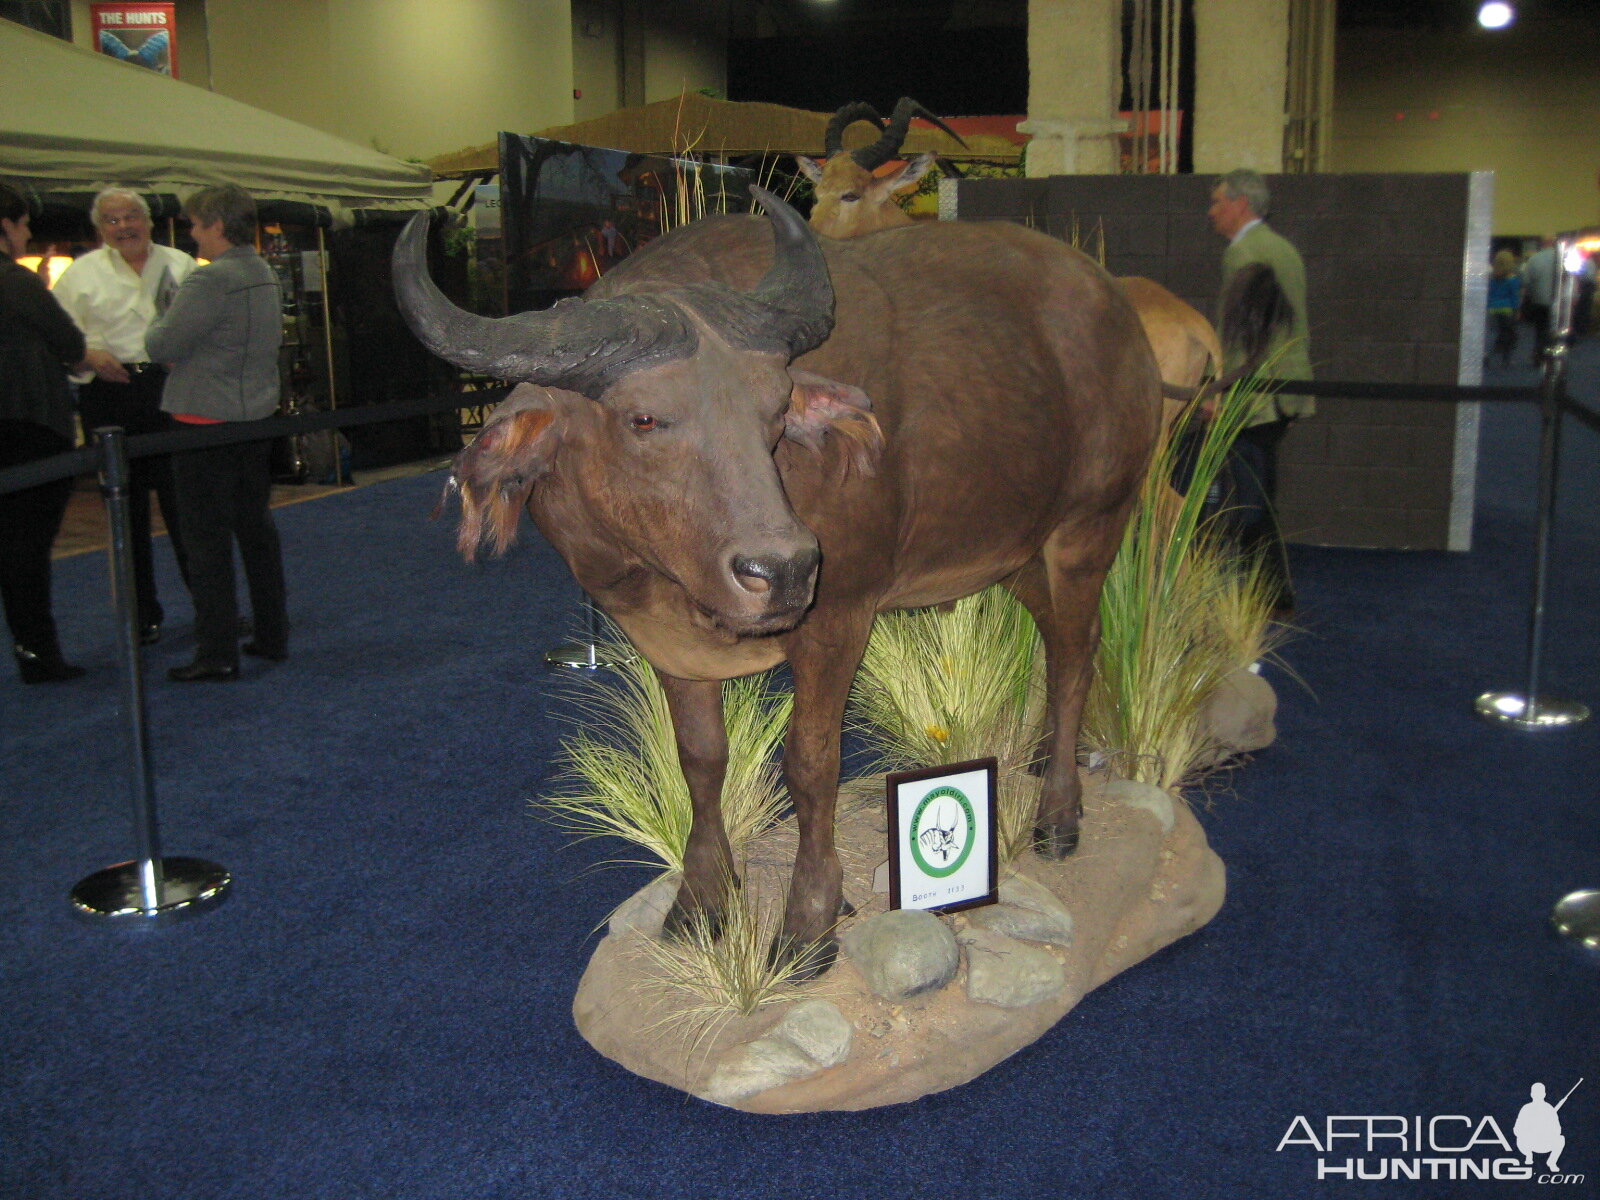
[(1389, 270)]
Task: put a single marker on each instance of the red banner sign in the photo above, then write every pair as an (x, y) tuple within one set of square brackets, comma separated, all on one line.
[(143, 34)]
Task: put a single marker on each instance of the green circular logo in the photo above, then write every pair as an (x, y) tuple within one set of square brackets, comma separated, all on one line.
[(942, 830)]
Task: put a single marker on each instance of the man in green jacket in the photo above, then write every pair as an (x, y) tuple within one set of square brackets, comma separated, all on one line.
[(1263, 288)]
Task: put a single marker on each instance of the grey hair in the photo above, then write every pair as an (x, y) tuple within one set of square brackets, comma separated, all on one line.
[(112, 193), (231, 205), (1242, 181)]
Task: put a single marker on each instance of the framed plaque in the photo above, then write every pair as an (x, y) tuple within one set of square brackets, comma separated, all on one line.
[(943, 851)]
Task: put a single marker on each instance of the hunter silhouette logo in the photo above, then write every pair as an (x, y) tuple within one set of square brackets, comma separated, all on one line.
[(1449, 1146), (1538, 1127), (941, 831)]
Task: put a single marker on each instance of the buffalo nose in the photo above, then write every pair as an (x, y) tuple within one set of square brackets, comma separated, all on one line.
[(786, 577)]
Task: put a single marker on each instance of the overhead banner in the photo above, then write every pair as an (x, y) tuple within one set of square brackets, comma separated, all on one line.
[(143, 34)]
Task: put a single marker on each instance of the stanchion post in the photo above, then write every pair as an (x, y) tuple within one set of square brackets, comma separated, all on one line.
[(150, 886), (1576, 916), (327, 340), (585, 655), (1530, 710)]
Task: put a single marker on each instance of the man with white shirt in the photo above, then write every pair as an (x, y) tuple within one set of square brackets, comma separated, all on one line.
[(114, 293)]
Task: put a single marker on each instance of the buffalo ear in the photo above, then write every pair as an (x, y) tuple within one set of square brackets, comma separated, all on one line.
[(820, 406), (808, 167), (496, 474)]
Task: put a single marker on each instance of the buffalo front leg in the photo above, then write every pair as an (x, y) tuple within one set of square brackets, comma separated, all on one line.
[(823, 656), (708, 874)]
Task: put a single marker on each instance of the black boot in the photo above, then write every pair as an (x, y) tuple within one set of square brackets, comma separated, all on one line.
[(44, 665)]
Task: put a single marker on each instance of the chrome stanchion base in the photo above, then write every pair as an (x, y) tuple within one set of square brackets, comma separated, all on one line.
[(1576, 919), (189, 886), (1510, 708), (579, 656)]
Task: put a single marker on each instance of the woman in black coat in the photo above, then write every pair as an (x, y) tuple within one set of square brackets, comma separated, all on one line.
[(38, 343)]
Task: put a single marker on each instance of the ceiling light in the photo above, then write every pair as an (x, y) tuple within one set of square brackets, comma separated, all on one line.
[(1496, 14)]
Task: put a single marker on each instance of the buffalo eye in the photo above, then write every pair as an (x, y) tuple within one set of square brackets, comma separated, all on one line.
[(643, 422), (851, 196)]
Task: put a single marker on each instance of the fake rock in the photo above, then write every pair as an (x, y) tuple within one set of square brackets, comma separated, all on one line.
[(1238, 718), (903, 953), (812, 1037), (1008, 973), (1026, 910)]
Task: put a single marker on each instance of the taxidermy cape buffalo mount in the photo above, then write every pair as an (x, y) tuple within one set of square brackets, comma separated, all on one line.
[(747, 443)]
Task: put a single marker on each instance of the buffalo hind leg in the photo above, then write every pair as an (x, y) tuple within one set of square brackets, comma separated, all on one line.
[(823, 655), (1033, 593), (708, 872), (1075, 564)]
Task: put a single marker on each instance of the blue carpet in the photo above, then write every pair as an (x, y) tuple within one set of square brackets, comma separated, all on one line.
[(382, 1006)]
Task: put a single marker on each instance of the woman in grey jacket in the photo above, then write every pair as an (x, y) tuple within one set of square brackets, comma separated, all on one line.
[(38, 343), (220, 338)]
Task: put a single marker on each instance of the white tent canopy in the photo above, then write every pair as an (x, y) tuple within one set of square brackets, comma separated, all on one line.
[(75, 121)]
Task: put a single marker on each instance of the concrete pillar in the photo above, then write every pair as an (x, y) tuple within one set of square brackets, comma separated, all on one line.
[(1074, 83), (1241, 69)]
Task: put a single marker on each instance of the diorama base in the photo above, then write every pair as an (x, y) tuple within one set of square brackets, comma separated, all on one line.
[(883, 1027)]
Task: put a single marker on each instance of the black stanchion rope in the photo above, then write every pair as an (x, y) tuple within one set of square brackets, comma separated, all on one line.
[(77, 462)]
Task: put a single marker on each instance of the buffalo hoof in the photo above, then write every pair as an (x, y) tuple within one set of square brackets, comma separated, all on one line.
[(1055, 842), (846, 909), (804, 962), (684, 924)]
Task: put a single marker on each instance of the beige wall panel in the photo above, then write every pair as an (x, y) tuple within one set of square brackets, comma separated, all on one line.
[(284, 64), (670, 51), (686, 50), (1520, 103), (1074, 83), (595, 64), (1241, 73), (413, 78), (422, 78)]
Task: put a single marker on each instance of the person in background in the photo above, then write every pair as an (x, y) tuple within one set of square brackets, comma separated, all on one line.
[(220, 338), (1505, 301), (1583, 297), (38, 345), (1263, 287), (1539, 275), (112, 294)]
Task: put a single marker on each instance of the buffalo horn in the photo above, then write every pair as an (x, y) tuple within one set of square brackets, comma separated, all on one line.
[(791, 309), (796, 287), (894, 135), (579, 345)]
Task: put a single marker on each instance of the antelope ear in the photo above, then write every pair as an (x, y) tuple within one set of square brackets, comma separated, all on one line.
[(808, 167), (819, 406), (907, 176), (497, 472)]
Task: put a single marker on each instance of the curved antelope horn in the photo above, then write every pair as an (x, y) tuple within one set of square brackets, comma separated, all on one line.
[(833, 139), (894, 135), (579, 345)]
